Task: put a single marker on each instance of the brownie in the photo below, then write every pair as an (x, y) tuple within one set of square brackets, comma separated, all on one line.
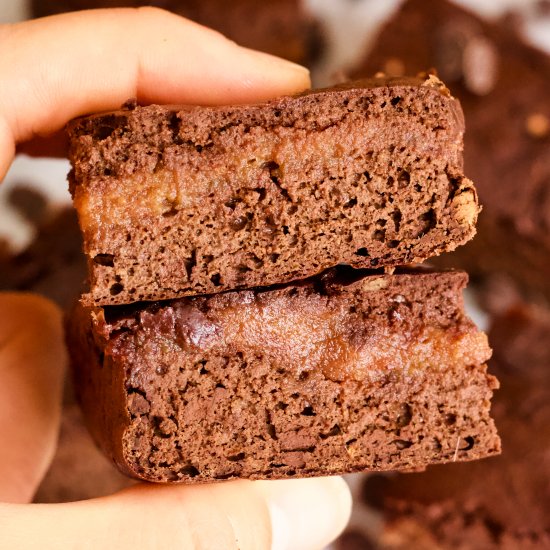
[(348, 371), (500, 503), (502, 84), (284, 28), (177, 201)]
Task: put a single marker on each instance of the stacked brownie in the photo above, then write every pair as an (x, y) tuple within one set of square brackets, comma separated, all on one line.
[(223, 337), (502, 83), (280, 27)]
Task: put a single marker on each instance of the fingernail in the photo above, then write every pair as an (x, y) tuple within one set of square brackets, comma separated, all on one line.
[(306, 513), (284, 64), (295, 67)]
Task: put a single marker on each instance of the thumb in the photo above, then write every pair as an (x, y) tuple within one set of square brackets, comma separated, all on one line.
[(32, 363), (302, 514)]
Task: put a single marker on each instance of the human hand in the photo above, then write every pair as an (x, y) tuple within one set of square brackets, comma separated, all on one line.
[(51, 71)]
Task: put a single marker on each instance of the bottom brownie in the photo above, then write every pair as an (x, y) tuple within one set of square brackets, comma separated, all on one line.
[(341, 373)]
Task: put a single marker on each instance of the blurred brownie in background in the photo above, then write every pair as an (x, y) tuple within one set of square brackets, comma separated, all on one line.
[(500, 503), (280, 27), (503, 85), (53, 264), (79, 470)]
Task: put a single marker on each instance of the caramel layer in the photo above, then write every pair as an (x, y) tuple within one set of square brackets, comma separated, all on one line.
[(254, 160), (307, 335)]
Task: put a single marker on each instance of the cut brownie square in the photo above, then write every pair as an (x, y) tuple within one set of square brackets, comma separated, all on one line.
[(345, 372), (285, 28), (499, 504), (177, 201), (502, 84)]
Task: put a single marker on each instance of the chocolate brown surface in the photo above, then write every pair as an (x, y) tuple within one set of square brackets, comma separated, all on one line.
[(337, 374), (280, 27), (502, 84), (179, 201), (500, 503)]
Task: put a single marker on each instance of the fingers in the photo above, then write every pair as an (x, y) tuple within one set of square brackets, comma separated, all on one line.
[(278, 515), (32, 363), (312, 520), (56, 68)]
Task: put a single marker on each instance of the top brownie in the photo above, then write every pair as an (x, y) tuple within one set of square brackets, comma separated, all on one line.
[(177, 201)]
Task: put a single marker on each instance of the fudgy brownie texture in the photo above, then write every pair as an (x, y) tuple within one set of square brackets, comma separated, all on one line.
[(341, 373), (502, 503), (502, 84), (284, 28), (177, 201)]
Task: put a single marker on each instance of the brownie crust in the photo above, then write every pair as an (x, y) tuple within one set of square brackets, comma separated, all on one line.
[(341, 373), (179, 201)]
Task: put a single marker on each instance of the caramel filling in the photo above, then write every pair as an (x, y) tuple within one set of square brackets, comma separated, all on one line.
[(308, 336), (244, 160)]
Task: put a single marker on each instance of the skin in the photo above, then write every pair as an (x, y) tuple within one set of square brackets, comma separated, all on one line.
[(52, 70)]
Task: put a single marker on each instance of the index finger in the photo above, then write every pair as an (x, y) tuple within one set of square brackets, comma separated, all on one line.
[(60, 67)]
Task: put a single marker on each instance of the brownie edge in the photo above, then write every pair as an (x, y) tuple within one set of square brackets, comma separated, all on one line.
[(336, 374)]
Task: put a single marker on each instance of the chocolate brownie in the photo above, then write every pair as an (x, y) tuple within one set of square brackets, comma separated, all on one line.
[(177, 201), (501, 503), (344, 372), (502, 84), (284, 28)]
